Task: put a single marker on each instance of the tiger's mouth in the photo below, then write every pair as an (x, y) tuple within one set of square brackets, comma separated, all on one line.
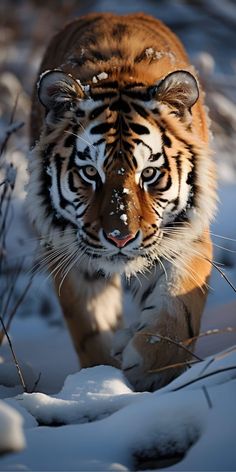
[(120, 257)]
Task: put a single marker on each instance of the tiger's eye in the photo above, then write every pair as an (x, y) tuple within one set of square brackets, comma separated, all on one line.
[(90, 171), (150, 174)]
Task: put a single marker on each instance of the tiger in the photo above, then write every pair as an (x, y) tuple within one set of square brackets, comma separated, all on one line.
[(122, 190)]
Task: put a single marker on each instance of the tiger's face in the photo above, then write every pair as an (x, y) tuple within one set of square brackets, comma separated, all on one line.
[(122, 169)]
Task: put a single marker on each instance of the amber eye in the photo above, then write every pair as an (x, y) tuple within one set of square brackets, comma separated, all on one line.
[(150, 175), (88, 173)]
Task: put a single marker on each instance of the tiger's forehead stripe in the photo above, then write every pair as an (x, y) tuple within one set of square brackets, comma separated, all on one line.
[(114, 128)]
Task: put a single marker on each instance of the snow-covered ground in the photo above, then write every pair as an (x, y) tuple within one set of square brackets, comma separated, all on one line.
[(92, 420)]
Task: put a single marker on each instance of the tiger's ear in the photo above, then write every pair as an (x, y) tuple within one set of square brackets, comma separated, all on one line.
[(178, 89), (57, 90)]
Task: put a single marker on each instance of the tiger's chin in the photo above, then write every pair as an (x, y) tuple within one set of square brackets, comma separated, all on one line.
[(121, 264)]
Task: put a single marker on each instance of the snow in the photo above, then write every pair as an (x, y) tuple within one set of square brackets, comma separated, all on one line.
[(102, 76), (105, 423), (115, 232), (11, 431), (123, 217), (92, 419)]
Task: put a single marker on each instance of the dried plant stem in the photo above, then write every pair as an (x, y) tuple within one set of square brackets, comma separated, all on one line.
[(10, 291), (205, 376), (207, 396), (17, 304), (36, 383), (209, 332), (14, 356), (188, 341), (174, 366), (172, 341), (223, 275)]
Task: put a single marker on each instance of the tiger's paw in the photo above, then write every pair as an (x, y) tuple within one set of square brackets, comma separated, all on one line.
[(145, 358)]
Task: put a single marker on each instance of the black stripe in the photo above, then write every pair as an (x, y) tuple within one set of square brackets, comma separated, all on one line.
[(133, 85), (166, 140), (97, 111), (99, 56), (128, 161), (142, 95), (102, 95), (179, 170), (118, 31), (69, 141), (147, 293), (151, 307), (149, 236), (63, 201), (80, 113), (102, 128), (108, 84), (127, 146), (120, 105), (188, 317), (140, 110), (157, 212), (91, 235), (90, 245), (77, 203), (46, 182), (139, 129), (155, 157), (123, 126), (71, 182), (167, 165), (83, 155)]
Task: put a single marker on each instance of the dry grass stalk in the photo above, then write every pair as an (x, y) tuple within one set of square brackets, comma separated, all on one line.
[(7, 186)]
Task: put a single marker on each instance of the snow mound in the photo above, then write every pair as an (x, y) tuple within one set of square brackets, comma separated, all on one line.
[(177, 426), (88, 395), (11, 432)]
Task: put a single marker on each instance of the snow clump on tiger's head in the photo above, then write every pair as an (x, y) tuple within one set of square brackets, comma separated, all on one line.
[(118, 172)]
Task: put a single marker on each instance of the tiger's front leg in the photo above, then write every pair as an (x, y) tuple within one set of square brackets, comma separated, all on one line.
[(170, 314), (92, 309)]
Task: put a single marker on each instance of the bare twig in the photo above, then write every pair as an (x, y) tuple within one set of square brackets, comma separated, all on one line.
[(177, 365), (222, 274), (207, 396), (36, 383), (14, 355), (10, 291), (18, 303), (12, 129), (172, 341), (201, 377), (209, 332)]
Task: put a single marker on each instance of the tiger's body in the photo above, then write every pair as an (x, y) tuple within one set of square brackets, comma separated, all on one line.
[(122, 186)]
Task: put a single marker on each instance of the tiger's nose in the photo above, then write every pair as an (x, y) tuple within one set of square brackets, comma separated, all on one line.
[(118, 239)]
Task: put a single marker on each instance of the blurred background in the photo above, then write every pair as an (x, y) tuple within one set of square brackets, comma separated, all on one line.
[(207, 30)]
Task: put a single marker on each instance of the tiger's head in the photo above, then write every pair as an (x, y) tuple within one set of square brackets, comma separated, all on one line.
[(119, 169)]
